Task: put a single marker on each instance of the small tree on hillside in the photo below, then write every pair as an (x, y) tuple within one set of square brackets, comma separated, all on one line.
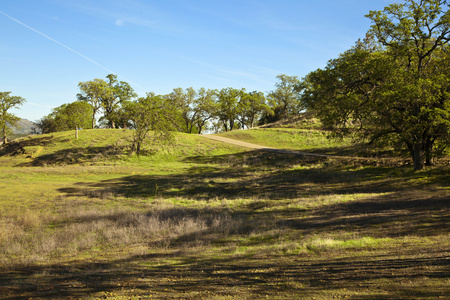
[(206, 107), (67, 117), (251, 106), (195, 107), (151, 113), (6, 118)]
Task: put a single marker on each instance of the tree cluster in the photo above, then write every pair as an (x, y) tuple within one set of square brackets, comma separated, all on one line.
[(186, 110), (218, 110), (393, 87)]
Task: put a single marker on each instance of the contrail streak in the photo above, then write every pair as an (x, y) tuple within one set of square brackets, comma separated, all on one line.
[(67, 47)]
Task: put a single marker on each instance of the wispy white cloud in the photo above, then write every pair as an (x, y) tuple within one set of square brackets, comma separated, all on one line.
[(39, 105), (138, 13), (119, 22), (235, 73), (67, 47), (55, 41)]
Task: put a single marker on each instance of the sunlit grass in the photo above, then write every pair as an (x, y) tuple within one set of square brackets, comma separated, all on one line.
[(288, 138), (200, 219)]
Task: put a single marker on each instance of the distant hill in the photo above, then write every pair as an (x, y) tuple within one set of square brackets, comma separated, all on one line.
[(22, 127)]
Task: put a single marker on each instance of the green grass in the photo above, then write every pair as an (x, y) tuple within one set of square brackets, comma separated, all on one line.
[(314, 140), (203, 220), (287, 138)]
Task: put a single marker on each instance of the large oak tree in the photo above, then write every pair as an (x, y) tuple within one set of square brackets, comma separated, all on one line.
[(396, 93)]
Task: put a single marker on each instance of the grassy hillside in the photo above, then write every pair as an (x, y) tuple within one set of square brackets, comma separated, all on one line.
[(303, 132), (312, 140), (82, 218), (104, 146)]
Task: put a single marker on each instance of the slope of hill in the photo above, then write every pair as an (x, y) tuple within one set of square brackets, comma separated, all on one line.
[(103, 145), (299, 121)]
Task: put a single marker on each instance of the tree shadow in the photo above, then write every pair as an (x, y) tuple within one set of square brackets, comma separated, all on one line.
[(393, 206), (255, 276), (62, 157), (398, 214), (254, 175), (18, 147), (76, 156)]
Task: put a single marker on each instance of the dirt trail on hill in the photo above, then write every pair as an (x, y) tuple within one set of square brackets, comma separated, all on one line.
[(258, 147)]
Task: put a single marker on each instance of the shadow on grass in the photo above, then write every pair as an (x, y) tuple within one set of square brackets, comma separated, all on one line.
[(399, 214), (360, 150), (68, 156), (193, 276), (397, 202), (76, 156), (255, 175), (18, 147), (395, 206)]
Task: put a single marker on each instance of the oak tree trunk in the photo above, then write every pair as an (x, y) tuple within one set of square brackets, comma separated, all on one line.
[(417, 157)]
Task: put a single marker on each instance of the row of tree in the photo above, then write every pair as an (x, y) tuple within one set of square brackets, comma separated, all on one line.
[(186, 110), (193, 111)]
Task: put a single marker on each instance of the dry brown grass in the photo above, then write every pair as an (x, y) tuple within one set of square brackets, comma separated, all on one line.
[(31, 238)]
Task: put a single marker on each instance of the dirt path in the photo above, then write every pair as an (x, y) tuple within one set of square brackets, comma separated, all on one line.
[(258, 147)]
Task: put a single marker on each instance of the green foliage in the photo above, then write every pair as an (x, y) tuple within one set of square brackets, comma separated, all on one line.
[(94, 92), (109, 96), (195, 107), (119, 93), (396, 94), (152, 113), (251, 107), (228, 107), (231, 107), (67, 117), (6, 118), (286, 96)]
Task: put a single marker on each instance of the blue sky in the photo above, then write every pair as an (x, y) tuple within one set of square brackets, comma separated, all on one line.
[(48, 46)]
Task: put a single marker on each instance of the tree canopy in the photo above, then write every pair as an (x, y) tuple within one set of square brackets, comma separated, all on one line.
[(67, 117), (94, 92), (286, 99), (398, 92), (118, 92), (151, 113)]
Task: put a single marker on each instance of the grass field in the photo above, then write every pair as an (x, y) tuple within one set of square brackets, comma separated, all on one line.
[(200, 219)]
